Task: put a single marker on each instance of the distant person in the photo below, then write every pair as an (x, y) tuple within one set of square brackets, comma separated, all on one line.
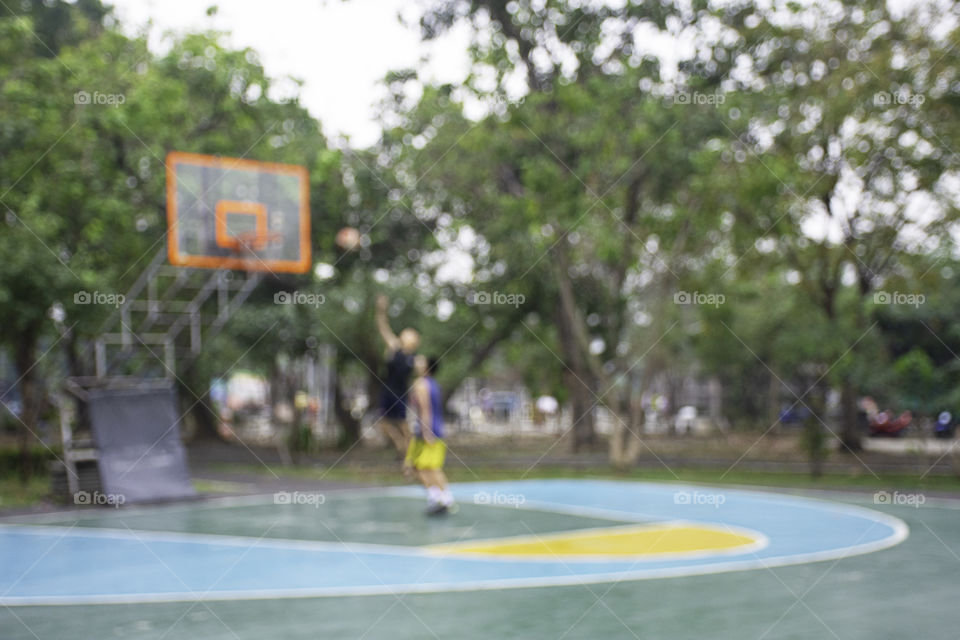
[(944, 427), (427, 450), (547, 405), (393, 396)]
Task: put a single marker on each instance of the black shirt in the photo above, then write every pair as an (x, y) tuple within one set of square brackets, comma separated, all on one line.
[(396, 384)]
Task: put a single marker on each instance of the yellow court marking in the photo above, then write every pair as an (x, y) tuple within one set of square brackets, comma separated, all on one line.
[(621, 541)]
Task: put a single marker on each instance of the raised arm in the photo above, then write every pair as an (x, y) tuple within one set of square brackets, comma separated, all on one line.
[(383, 325)]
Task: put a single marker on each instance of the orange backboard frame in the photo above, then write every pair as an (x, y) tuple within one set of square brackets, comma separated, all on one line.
[(226, 208), (236, 207)]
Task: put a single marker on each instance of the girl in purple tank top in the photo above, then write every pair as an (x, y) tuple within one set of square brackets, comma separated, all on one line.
[(427, 450)]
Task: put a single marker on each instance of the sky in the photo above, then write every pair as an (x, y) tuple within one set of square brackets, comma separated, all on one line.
[(340, 50)]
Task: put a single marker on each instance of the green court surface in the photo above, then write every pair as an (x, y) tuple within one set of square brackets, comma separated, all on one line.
[(908, 589)]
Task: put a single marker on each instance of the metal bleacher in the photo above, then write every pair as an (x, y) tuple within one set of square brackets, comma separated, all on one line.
[(166, 318)]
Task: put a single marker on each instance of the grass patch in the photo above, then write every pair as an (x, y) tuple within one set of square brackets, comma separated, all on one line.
[(388, 475), (16, 493), (219, 486)]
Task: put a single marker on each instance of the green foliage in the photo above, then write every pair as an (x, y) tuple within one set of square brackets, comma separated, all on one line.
[(597, 194), (38, 460), (917, 381)]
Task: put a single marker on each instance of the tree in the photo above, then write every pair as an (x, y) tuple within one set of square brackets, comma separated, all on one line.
[(83, 149), (841, 160), (597, 224)]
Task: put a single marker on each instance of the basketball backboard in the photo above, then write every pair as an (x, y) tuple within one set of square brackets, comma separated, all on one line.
[(231, 213)]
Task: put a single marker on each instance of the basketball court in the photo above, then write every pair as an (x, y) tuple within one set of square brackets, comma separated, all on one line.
[(566, 558), (536, 558)]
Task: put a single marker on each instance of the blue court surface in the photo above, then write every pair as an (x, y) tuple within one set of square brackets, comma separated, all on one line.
[(360, 563)]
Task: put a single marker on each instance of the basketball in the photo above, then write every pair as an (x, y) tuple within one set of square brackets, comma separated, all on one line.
[(348, 239)]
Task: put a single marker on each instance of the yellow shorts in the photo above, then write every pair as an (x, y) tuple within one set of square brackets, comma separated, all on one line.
[(426, 456)]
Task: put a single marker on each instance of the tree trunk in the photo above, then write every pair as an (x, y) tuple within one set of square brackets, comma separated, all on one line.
[(850, 431), (196, 401), (375, 389), (30, 397), (773, 402), (850, 436), (350, 425), (78, 365), (578, 381), (582, 403), (814, 434), (625, 440), (579, 377), (629, 431), (617, 443)]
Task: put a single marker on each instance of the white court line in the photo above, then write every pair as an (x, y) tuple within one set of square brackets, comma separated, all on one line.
[(898, 527), (479, 585)]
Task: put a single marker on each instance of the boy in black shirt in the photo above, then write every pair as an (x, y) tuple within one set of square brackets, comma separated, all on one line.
[(396, 382)]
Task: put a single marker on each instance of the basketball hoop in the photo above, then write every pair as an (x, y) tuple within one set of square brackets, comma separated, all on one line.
[(235, 213), (248, 245)]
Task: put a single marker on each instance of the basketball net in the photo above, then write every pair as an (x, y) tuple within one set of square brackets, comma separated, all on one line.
[(250, 244)]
